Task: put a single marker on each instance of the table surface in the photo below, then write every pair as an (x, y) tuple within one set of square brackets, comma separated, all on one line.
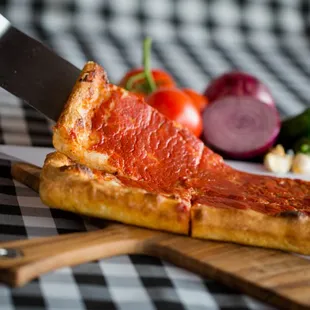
[(194, 43)]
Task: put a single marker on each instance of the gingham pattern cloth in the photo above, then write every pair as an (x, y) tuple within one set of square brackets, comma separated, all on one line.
[(195, 41)]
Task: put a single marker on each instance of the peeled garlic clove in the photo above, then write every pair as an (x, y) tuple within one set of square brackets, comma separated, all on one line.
[(301, 164), (279, 150), (277, 160), (278, 163)]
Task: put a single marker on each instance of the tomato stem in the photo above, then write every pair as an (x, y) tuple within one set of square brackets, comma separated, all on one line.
[(133, 79), (147, 43)]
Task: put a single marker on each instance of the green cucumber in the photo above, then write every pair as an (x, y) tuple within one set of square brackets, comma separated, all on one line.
[(294, 128), (302, 146)]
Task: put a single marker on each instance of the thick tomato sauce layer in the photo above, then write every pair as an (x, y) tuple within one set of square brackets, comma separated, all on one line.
[(265, 194), (155, 154), (144, 146)]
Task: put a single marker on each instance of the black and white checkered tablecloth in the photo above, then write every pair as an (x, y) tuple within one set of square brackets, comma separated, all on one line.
[(195, 40)]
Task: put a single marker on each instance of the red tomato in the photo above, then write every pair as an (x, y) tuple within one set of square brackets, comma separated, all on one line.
[(199, 100), (177, 106), (161, 79)]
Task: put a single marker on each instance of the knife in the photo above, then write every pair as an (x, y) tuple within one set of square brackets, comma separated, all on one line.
[(33, 72)]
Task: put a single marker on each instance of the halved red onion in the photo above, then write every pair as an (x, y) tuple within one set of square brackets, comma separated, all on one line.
[(238, 84), (240, 127)]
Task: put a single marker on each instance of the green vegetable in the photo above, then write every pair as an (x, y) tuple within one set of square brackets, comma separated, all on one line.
[(293, 129), (302, 146), (146, 73)]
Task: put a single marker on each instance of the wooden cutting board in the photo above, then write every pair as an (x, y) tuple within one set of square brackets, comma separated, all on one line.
[(278, 278)]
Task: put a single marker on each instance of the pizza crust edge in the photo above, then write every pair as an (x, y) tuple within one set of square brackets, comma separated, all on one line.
[(72, 132), (289, 232), (72, 187)]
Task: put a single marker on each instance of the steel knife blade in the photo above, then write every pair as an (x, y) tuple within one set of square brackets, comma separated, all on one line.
[(33, 72)]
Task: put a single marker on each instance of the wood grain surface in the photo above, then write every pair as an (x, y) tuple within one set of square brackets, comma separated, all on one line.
[(278, 278)]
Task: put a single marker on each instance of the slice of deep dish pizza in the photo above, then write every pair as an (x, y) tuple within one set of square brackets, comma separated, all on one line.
[(120, 159), (73, 187)]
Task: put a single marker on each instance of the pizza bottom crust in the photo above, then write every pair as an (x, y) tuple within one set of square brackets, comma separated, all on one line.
[(71, 187), (251, 228), (68, 186)]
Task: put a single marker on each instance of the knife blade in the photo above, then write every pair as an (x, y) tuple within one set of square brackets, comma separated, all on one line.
[(33, 72)]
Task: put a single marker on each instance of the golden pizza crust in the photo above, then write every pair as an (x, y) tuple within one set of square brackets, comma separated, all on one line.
[(90, 90), (68, 186), (289, 233)]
